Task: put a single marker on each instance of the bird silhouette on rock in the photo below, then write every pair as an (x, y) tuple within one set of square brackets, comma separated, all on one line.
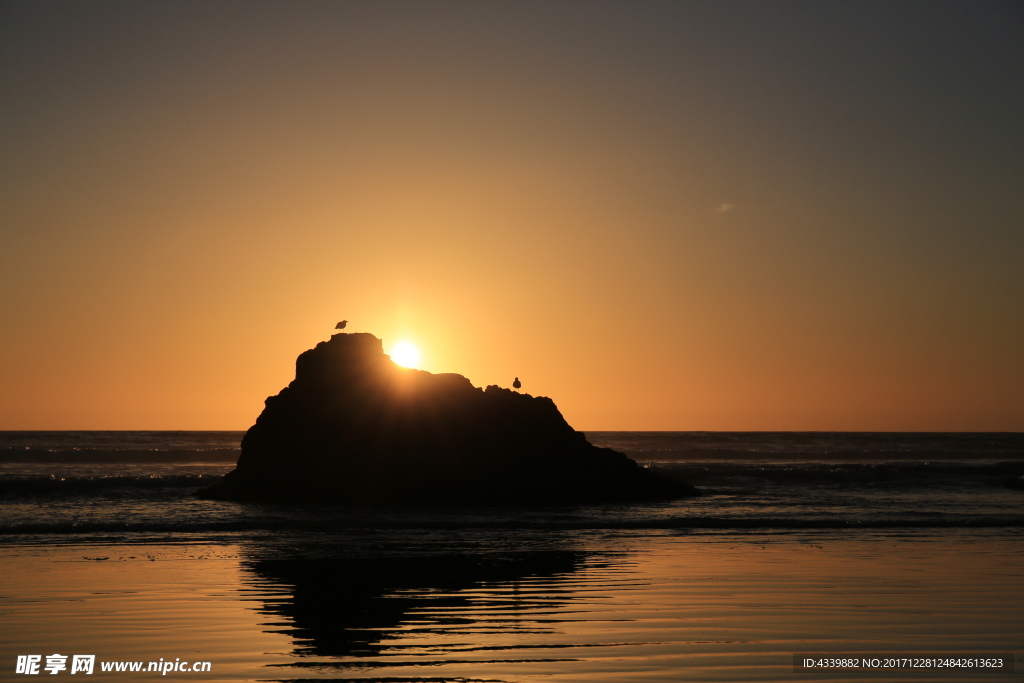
[(341, 325), (517, 384)]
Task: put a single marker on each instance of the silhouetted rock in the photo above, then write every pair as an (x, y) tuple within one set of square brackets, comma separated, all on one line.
[(355, 428)]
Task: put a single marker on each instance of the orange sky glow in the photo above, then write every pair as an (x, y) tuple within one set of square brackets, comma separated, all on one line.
[(665, 216)]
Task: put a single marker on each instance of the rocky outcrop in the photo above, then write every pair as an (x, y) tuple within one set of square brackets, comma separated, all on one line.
[(355, 428)]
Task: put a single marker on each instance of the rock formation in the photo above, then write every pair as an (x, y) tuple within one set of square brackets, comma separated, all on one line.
[(355, 428)]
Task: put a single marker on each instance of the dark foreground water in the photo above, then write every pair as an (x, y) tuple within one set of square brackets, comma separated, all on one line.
[(802, 542)]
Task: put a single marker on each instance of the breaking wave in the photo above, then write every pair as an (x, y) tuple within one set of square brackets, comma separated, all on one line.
[(55, 486)]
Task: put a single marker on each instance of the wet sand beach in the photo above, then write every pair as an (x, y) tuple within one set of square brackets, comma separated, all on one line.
[(598, 605)]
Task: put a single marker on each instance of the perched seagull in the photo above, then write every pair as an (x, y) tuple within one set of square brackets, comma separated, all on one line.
[(341, 325), (517, 384)]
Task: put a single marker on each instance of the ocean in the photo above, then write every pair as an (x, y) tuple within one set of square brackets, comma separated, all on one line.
[(842, 544)]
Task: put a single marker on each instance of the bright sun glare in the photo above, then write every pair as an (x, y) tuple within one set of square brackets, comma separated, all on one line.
[(406, 354)]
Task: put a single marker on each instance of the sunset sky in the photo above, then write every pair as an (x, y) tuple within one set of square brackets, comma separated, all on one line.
[(753, 215)]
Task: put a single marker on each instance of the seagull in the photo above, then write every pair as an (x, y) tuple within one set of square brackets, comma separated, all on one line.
[(341, 325), (517, 384)]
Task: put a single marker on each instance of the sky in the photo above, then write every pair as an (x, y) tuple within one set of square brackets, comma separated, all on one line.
[(729, 215)]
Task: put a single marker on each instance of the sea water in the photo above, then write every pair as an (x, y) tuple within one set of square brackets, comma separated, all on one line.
[(801, 542)]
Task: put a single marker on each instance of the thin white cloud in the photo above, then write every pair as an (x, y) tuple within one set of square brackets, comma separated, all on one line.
[(724, 208)]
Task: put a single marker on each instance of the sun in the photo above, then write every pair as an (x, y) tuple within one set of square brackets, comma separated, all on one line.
[(405, 354)]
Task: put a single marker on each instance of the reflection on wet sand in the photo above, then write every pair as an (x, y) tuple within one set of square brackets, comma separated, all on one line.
[(445, 609)]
